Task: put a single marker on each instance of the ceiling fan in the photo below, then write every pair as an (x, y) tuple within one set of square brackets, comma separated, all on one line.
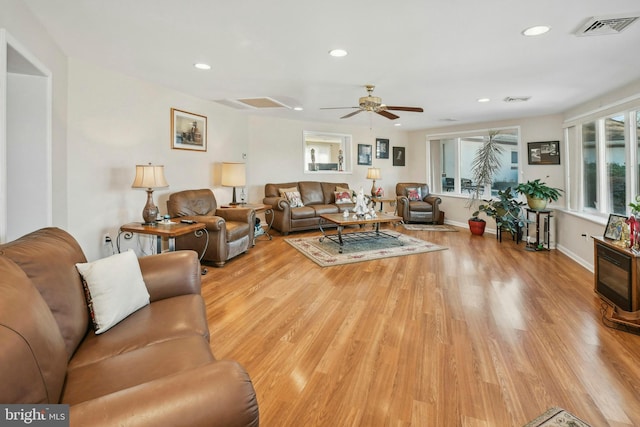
[(374, 104)]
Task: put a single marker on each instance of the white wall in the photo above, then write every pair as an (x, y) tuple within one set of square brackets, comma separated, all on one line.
[(116, 122), (276, 155)]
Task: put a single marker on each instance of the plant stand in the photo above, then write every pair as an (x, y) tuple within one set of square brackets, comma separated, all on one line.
[(543, 225)]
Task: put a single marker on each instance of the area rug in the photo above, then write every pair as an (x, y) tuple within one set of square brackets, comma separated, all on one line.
[(557, 417), (428, 227), (325, 253)]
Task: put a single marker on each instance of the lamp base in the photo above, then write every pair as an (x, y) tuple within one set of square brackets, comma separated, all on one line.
[(150, 211), (373, 189)]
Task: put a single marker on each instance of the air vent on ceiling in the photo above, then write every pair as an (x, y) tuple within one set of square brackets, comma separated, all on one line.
[(517, 98), (604, 26), (262, 103)]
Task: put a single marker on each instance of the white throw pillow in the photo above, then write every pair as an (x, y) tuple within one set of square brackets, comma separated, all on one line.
[(114, 289)]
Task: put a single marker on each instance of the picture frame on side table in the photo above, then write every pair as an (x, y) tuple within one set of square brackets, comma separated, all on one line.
[(188, 131), (614, 227), (544, 153), (364, 154), (398, 156), (382, 148)]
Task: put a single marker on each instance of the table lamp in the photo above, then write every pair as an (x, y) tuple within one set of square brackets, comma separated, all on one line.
[(234, 175), (149, 177), (373, 173)]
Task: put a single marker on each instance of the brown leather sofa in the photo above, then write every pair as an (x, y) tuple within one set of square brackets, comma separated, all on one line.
[(230, 230), (318, 198), (425, 209), (154, 368)]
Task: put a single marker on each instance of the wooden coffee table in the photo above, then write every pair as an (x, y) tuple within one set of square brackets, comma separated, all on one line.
[(341, 222)]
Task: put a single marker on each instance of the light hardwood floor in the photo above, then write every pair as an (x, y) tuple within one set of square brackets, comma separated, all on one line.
[(481, 334)]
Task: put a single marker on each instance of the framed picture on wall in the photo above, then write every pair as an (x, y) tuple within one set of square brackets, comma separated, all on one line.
[(544, 153), (364, 154), (398, 156), (382, 148), (188, 131)]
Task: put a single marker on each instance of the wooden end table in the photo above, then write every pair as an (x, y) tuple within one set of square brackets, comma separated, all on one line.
[(169, 230)]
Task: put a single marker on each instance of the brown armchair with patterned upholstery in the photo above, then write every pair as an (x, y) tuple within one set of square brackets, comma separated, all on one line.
[(230, 230), (416, 204)]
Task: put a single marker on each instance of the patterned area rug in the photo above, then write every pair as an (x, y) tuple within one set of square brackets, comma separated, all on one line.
[(325, 253), (557, 417), (428, 227)]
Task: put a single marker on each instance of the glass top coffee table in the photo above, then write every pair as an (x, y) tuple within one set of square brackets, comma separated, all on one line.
[(357, 236)]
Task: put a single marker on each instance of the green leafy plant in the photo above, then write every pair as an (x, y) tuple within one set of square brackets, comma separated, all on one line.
[(635, 206), (506, 210), (538, 190), (486, 162)]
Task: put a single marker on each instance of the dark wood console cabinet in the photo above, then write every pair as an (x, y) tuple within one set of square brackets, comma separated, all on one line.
[(616, 280)]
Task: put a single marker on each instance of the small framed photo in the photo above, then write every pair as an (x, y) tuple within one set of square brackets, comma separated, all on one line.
[(614, 227), (382, 148), (364, 154), (188, 131), (398, 156), (544, 153)]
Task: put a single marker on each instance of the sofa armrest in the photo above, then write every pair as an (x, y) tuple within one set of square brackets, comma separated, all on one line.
[(245, 215), (218, 394), (171, 274), (277, 203), (433, 200)]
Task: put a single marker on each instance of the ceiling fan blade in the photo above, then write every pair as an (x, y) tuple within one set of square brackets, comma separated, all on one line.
[(336, 108), (388, 115), (414, 109), (351, 114)]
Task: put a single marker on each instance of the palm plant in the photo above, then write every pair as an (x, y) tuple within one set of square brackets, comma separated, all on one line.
[(486, 162)]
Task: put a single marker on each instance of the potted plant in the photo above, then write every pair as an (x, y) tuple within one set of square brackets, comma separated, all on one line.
[(538, 193), (486, 162), (506, 210)]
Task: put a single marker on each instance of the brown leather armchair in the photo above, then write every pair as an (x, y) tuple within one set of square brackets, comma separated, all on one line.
[(230, 230), (425, 207)]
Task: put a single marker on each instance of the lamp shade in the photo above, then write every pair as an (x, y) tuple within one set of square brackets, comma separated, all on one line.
[(233, 174), (373, 173), (149, 176)]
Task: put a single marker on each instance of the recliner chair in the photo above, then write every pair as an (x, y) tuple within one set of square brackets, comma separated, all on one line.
[(230, 229), (416, 204)]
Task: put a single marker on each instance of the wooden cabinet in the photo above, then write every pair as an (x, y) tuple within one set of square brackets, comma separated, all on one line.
[(616, 280)]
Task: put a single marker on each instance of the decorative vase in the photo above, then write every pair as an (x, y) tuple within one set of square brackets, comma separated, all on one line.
[(477, 227), (536, 204)]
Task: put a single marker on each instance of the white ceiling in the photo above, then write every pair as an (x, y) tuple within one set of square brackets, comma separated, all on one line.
[(438, 55)]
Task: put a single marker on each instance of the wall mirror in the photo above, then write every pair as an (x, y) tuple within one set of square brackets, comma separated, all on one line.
[(326, 152)]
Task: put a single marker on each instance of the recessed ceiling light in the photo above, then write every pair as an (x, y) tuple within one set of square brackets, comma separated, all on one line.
[(338, 53), (298, 108), (397, 124), (484, 99), (202, 66), (536, 30)]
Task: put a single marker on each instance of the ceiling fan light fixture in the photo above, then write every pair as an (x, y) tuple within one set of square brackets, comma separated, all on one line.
[(536, 30), (338, 53)]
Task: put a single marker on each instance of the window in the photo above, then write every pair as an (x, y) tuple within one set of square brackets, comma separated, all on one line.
[(326, 152), (455, 155), (610, 152)]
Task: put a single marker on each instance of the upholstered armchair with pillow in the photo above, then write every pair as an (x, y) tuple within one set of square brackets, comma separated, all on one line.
[(230, 230), (416, 204)]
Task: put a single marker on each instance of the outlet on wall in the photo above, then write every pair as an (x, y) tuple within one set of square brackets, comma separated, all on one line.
[(106, 239)]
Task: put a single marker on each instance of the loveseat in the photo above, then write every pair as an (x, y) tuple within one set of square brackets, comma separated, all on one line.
[(416, 204), (153, 368), (302, 212)]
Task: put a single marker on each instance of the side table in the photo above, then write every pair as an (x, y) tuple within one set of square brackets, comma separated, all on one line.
[(258, 208), (168, 230), (541, 218), (382, 201)]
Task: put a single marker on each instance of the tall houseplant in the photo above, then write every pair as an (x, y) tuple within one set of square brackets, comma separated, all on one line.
[(538, 193), (506, 210), (486, 162)]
